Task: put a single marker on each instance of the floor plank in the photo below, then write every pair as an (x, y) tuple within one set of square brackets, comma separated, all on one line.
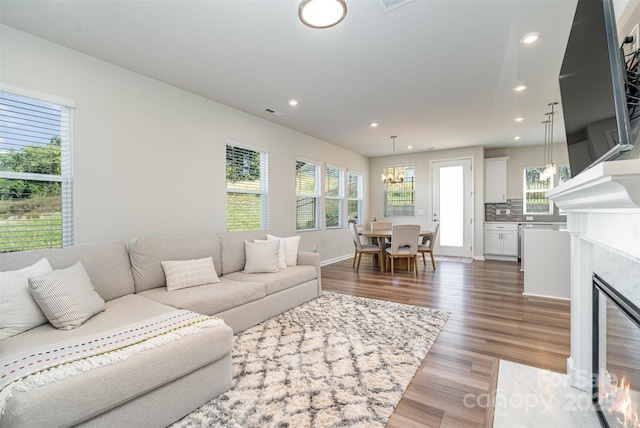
[(490, 320)]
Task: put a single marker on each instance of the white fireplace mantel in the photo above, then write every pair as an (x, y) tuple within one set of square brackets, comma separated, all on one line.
[(606, 186), (603, 218)]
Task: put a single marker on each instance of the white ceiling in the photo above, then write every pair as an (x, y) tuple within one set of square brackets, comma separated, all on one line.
[(436, 73)]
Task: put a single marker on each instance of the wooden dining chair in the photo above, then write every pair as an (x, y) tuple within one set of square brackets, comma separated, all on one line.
[(404, 244), (360, 247), (428, 242)]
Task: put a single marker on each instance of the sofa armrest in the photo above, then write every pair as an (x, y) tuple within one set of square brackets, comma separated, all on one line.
[(307, 258)]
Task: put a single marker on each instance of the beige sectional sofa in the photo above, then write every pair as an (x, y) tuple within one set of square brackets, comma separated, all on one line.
[(159, 385)]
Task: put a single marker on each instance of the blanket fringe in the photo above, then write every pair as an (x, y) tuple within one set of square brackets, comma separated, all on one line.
[(73, 368)]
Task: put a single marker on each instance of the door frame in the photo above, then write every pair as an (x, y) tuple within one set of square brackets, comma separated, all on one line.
[(472, 208)]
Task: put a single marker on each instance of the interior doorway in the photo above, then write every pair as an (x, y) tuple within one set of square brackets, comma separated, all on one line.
[(452, 192)]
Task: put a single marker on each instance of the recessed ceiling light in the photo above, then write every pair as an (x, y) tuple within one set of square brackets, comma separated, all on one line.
[(516, 137), (520, 88), (293, 103), (518, 118), (529, 38), (374, 124), (409, 147)]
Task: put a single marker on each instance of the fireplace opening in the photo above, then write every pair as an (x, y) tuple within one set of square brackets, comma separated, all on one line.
[(616, 356)]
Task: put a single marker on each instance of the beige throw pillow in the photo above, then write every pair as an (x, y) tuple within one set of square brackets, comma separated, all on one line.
[(261, 256), (19, 312), (291, 245), (66, 296), (189, 273)]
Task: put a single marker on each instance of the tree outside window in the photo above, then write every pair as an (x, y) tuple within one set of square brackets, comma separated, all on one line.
[(247, 189)]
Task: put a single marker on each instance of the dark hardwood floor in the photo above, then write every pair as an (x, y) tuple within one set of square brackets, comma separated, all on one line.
[(490, 320)]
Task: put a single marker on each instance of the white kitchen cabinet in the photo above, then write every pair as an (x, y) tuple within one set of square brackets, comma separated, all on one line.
[(495, 180), (501, 241)]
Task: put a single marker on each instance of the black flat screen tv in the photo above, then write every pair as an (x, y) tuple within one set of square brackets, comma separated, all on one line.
[(598, 87)]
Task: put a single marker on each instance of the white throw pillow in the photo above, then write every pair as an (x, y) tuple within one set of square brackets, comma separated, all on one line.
[(189, 273), (66, 296), (261, 256), (291, 245), (19, 312), (282, 255)]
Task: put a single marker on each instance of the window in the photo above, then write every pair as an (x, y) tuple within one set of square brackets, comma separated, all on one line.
[(333, 197), (307, 195), (247, 189), (354, 195), (399, 198), (36, 188), (535, 201)]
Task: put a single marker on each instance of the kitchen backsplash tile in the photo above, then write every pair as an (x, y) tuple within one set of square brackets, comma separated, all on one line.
[(516, 213)]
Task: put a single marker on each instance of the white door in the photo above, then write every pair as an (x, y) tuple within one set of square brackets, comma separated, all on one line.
[(453, 207)]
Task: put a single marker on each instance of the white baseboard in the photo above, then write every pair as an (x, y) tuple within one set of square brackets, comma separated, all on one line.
[(335, 260), (546, 297)]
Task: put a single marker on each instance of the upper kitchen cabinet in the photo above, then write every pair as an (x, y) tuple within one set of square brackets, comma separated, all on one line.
[(495, 180)]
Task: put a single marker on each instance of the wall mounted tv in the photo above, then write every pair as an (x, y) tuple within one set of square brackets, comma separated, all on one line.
[(599, 89)]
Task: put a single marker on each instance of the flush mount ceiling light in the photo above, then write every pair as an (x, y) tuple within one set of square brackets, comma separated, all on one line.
[(529, 38), (322, 13), (520, 88)]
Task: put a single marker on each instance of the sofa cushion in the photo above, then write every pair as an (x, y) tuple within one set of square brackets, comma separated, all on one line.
[(107, 264), (147, 253), (232, 247), (66, 296), (189, 273), (72, 400), (278, 281), (209, 299), (261, 256), (291, 244), (18, 310)]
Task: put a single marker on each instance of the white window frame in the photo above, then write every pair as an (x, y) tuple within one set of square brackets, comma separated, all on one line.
[(525, 192), (315, 195), (66, 155), (390, 189), (263, 191), (358, 199), (339, 198)]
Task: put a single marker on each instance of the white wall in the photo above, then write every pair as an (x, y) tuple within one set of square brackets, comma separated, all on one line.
[(423, 187), (149, 159), (526, 157)]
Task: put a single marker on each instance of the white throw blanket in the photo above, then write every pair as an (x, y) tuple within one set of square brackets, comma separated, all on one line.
[(52, 362)]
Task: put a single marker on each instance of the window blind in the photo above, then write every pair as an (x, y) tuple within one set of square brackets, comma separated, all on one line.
[(247, 189), (354, 198), (36, 179), (333, 197), (307, 195)]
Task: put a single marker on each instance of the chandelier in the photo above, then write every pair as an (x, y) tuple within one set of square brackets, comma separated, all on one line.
[(391, 177), (550, 167)]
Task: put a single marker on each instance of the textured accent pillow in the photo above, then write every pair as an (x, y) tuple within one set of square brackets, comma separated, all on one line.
[(66, 296), (189, 273), (18, 311), (291, 245), (261, 256), (282, 255)]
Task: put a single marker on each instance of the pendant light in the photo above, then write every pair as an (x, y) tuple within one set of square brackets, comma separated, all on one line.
[(550, 167), (322, 13), (392, 178)]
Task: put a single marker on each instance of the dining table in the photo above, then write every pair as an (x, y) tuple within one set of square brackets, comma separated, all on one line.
[(381, 237)]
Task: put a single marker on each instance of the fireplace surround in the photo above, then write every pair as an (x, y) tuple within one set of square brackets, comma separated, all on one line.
[(603, 219), (616, 356)]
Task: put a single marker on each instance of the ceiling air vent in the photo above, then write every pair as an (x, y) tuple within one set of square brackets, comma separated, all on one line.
[(273, 112), (387, 5)]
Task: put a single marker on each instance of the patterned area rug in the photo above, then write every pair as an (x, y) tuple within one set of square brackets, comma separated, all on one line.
[(338, 360), (453, 259)]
